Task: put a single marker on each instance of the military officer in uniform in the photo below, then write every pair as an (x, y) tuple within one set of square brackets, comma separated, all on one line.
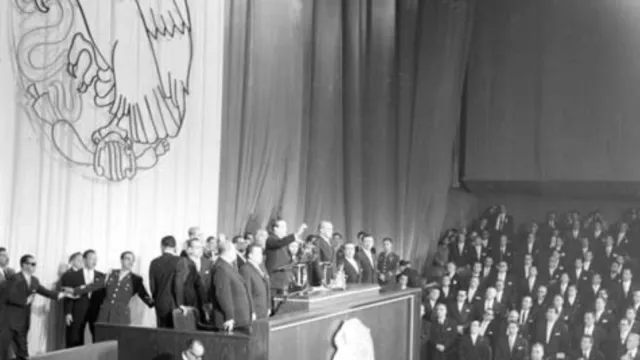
[(121, 285), (387, 263)]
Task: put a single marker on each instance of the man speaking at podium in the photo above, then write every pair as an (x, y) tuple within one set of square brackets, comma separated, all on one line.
[(278, 260)]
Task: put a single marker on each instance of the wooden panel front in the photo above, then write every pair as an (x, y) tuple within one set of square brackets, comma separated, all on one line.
[(141, 343), (393, 322)]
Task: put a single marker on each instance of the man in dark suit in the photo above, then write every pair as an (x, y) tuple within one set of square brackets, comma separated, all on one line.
[(587, 350), (474, 346), (441, 335), (277, 259), (632, 352), (84, 310), (460, 311), (5, 271), (326, 252), (553, 334), (459, 251), (241, 247), (162, 273), (189, 288), (232, 307), (350, 266), (20, 292), (502, 223), (257, 282), (615, 345), (367, 260), (511, 346), (588, 329), (194, 350)]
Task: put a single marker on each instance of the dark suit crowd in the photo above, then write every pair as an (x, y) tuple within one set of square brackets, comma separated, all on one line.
[(564, 288)]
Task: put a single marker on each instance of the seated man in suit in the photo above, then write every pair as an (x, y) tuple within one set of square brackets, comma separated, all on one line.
[(257, 282), (232, 307), (194, 351)]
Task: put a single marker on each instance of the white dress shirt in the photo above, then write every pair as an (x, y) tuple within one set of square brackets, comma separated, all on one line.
[(368, 254), (523, 316), (549, 331), (626, 285), (354, 263), (589, 330)]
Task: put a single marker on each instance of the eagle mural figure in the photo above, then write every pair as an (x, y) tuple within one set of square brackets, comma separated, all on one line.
[(138, 70)]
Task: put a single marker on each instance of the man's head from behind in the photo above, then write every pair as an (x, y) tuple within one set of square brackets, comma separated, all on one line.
[(195, 350), (168, 243)]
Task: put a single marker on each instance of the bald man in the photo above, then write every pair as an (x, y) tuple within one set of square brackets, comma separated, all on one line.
[(194, 351)]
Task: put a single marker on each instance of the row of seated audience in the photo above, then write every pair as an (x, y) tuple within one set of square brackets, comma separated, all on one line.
[(561, 289), (227, 284)]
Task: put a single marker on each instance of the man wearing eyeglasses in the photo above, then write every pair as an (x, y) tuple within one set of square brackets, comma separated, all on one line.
[(195, 350), (20, 292)]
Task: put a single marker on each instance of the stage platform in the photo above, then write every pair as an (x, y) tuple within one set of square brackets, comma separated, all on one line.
[(360, 323)]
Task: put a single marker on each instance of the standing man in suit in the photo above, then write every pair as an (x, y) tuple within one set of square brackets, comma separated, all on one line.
[(367, 260), (503, 222), (162, 273), (257, 282), (511, 346), (552, 333), (241, 247), (473, 346), (633, 341), (232, 307), (351, 267), (20, 292), (441, 335), (84, 310), (387, 263), (277, 255), (5, 271), (326, 253), (189, 288), (587, 350)]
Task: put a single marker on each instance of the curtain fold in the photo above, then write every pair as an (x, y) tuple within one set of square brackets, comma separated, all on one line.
[(360, 110)]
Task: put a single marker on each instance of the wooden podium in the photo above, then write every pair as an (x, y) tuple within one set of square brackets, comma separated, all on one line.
[(305, 327)]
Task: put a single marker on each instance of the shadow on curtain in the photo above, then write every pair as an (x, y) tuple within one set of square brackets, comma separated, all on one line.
[(344, 110)]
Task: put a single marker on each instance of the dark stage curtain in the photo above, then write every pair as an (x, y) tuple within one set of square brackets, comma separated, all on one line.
[(343, 110), (553, 91)]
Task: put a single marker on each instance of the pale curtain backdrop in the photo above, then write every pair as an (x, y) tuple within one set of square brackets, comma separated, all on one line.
[(344, 110), (51, 207)]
